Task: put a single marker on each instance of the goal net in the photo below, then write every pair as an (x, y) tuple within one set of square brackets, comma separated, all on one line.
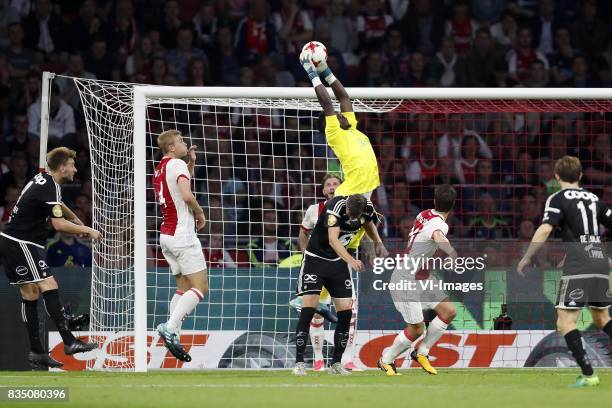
[(260, 164)]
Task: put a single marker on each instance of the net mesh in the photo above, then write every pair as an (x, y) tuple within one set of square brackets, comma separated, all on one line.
[(260, 164)]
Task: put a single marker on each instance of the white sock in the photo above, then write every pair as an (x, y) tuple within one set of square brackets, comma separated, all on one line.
[(347, 357), (317, 337), (174, 302), (435, 330), (184, 306), (401, 343)]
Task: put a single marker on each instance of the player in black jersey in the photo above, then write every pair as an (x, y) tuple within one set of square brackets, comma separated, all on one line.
[(327, 263), (23, 253), (578, 213)]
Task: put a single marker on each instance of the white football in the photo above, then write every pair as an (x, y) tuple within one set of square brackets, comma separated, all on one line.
[(315, 51)]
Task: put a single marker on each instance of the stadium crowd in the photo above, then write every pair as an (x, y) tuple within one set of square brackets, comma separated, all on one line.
[(502, 161)]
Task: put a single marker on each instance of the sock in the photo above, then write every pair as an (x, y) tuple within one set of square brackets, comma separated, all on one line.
[(401, 343), (29, 313), (54, 310), (174, 301), (436, 329), (185, 305), (350, 344), (301, 332), (341, 334), (608, 328), (574, 343), (317, 337)]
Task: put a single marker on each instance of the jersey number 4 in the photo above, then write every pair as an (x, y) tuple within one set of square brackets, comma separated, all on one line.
[(160, 195)]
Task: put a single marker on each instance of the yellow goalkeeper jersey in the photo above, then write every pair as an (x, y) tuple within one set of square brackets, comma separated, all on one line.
[(356, 156)]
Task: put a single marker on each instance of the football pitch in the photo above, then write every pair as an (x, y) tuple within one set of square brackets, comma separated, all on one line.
[(270, 389)]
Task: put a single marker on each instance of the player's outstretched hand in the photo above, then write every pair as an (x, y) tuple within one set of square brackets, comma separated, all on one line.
[(309, 67), (522, 266), (356, 265), (200, 221), (192, 153), (93, 234)]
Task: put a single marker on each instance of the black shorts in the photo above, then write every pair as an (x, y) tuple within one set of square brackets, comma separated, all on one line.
[(578, 291), (318, 272), (23, 262)]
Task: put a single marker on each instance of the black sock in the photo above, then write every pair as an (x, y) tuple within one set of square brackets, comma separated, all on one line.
[(574, 343), (608, 329), (29, 314), (301, 333), (54, 309), (341, 334)]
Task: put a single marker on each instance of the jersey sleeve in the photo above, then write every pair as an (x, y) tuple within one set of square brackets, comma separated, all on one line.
[(369, 213), (333, 211), (553, 213), (605, 215), (177, 169), (51, 196), (352, 120), (437, 224), (332, 126), (310, 218)]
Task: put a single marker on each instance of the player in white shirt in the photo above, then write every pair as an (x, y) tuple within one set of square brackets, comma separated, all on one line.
[(180, 245), (427, 235)]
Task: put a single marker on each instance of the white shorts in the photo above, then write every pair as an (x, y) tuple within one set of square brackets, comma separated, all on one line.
[(183, 259), (410, 303)]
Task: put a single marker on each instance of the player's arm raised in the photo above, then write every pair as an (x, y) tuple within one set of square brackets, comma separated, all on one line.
[(539, 238), (444, 244), (192, 203), (379, 247), (332, 234)]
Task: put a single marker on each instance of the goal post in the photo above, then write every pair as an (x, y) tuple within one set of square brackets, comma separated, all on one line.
[(259, 152)]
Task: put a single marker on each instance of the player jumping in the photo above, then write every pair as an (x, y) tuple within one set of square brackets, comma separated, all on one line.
[(577, 213), (354, 151), (22, 248), (328, 263), (427, 235), (182, 215)]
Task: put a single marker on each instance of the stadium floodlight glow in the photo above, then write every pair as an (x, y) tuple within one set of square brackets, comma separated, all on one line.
[(130, 290)]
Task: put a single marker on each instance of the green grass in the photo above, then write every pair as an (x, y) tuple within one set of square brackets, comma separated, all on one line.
[(454, 388)]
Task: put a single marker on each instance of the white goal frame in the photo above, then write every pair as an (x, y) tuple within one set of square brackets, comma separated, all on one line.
[(143, 93)]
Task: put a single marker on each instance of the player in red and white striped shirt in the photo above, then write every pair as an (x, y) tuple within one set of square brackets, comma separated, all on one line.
[(180, 245), (427, 235)]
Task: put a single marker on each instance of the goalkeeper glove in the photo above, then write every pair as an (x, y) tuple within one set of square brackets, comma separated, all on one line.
[(323, 69), (310, 69)]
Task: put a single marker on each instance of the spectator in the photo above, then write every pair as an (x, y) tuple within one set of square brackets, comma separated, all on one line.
[(178, 58), (294, 28), (19, 59), (528, 211), (61, 119), (465, 165), (523, 10), (11, 195), (206, 23), (17, 176), (487, 224), (580, 74), (538, 77), (138, 63), (504, 32), (461, 28), (447, 68), (271, 73), (170, 24), (100, 61), (544, 26), (485, 182), (67, 86), (425, 168), (18, 140), (66, 251), (269, 249), (342, 35), (256, 34), (122, 33), (450, 143), (396, 55), (218, 256), (226, 67), (599, 167), (481, 60), (526, 230), (376, 70), (424, 29), (44, 29), (85, 28), (198, 73), (487, 12), (417, 73), (521, 58), (561, 59), (372, 25), (589, 32)]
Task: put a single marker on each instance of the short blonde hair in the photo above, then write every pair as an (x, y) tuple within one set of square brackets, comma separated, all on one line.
[(569, 169), (59, 156), (166, 138)]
